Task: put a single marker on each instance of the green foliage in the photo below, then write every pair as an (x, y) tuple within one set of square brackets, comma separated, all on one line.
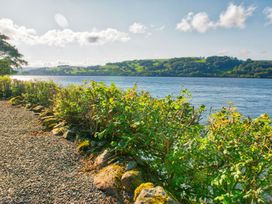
[(184, 67), (5, 87), (33, 92), (9, 57), (241, 149), (250, 68), (228, 160)]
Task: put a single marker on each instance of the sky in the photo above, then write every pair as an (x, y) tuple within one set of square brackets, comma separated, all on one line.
[(91, 32)]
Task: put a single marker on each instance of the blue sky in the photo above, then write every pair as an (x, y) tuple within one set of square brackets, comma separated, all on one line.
[(88, 32)]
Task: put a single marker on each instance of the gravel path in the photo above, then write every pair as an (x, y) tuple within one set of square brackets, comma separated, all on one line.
[(36, 167)]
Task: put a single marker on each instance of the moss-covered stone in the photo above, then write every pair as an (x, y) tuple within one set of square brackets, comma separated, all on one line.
[(142, 187), (147, 193), (108, 179), (46, 112), (38, 109), (103, 159), (50, 122), (131, 165), (16, 100), (84, 146), (131, 179), (28, 105), (59, 131), (70, 135)]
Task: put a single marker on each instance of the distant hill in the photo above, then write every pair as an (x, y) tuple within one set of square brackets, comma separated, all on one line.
[(214, 66)]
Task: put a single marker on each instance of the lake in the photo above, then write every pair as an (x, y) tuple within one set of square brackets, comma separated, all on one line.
[(252, 96)]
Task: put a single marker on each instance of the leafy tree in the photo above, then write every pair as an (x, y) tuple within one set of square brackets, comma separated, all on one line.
[(9, 56)]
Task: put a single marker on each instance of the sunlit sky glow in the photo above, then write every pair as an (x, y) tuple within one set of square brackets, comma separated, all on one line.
[(89, 32)]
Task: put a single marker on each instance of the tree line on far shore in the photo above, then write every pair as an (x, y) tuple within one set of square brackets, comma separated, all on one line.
[(214, 66)]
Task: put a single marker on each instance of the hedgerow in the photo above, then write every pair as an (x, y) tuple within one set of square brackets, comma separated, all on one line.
[(229, 160)]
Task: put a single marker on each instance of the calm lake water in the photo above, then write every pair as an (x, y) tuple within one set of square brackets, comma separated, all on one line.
[(252, 96)]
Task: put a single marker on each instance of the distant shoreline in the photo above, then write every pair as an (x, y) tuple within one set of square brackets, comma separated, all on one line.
[(230, 77), (214, 66)]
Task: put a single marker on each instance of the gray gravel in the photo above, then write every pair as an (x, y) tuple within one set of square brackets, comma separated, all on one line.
[(36, 167)]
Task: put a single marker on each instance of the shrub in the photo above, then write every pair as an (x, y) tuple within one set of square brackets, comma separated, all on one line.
[(229, 160), (5, 87), (40, 92)]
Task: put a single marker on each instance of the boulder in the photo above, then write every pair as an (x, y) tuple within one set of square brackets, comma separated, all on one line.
[(46, 112), (58, 131), (142, 187), (108, 179), (83, 146), (47, 117), (50, 122), (28, 105), (131, 165), (61, 124), (70, 135), (147, 193), (38, 109), (16, 100), (131, 179), (103, 159)]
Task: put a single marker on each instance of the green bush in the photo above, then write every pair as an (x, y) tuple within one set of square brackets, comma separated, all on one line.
[(40, 92), (5, 87), (229, 160), (33, 92)]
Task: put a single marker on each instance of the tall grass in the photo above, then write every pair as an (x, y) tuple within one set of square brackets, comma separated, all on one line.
[(227, 161)]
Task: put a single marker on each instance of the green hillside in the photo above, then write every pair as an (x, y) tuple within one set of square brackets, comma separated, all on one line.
[(180, 67)]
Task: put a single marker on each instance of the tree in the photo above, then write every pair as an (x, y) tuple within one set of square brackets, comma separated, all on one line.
[(10, 57)]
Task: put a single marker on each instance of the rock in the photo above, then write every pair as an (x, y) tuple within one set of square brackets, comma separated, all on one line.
[(147, 193), (46, 112), (38, 109), (101, 143), (131, 165), (16, 100), (28, 105), (83, 146), (47, 117), (60, 125), (131, 179), (70, 135), (50, 122), (58, 131), (93, 143), (102, 159), (142, 187), (108, 179)]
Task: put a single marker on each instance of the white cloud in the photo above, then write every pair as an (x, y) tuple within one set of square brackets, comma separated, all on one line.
[(137, 28), (268, 13), (15, 32), (21, 34), (201, 22), (61, 20), (234, 16), (185, 24)]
